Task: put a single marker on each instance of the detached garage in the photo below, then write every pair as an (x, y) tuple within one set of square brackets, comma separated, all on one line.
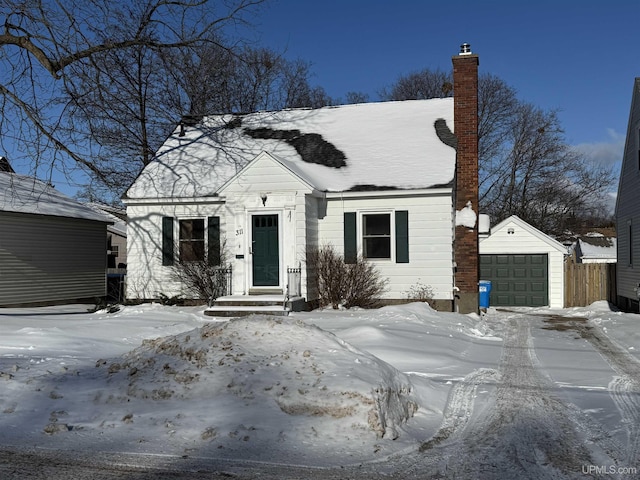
[(524, 265)]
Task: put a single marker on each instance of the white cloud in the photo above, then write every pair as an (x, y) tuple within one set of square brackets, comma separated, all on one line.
[(604, 153)]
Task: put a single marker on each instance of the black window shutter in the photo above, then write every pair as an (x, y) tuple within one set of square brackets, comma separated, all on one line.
[(213, 238), (402, 236), (350, 240), (167, 241)]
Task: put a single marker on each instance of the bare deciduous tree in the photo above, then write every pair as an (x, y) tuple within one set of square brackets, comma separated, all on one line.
[(138, 97), (420, 85), (264, 80), (356, 97), (539, 177), (526, 166), (45, 43)]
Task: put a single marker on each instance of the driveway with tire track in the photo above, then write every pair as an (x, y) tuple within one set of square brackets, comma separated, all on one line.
[(528, 417)]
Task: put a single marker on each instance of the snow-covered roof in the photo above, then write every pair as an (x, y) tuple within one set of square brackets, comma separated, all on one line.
[(387, 144), (21, 194), (116, 215), (598, 247)]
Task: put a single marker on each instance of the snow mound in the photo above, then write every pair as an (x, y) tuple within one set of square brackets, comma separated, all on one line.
[(300, 376)]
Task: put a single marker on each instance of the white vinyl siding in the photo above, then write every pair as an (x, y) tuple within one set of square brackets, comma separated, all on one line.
[(308, 213), (307, 219), (430, 239), (147, 278), (262, 176), (266, 186), (46, 259)]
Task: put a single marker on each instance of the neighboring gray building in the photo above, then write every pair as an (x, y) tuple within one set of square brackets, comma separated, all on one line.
[(116, 250), (628, 211), (52, 248), (116, 235)]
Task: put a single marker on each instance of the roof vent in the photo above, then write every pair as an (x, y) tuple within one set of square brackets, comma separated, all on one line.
[(465, 49)]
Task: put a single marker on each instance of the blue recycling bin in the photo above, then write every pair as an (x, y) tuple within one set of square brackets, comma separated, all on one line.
[(485, 291)]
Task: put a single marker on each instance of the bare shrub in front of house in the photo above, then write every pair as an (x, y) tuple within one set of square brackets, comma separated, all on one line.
[(419, 292), (343, 284), (202, 279), (365, 286), (328, 270)]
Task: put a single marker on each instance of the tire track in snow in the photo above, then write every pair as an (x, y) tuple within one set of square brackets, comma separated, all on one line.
[(528, 432), (460, 406), (624, 392), (624, 388)]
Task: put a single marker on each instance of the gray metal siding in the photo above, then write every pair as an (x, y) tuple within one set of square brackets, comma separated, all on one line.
[(628, 205), (50, 259)]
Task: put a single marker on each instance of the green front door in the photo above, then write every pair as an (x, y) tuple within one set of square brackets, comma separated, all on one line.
[(264, 240)]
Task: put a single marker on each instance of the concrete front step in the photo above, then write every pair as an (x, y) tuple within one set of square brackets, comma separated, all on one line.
[(240, 311), (243, 305)]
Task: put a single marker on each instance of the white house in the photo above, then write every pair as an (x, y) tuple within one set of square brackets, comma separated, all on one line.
[(52, 248), (628, 211), (263, 189), (524, 265)]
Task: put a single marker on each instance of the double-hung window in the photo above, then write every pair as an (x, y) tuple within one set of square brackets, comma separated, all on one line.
[(191, 240), (376, 235), (198, 240)]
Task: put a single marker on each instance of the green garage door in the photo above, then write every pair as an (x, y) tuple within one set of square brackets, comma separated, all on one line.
[(516, 280)]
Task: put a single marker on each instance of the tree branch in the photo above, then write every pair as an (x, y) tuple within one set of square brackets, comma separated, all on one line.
[(55, 66), (48, 134)]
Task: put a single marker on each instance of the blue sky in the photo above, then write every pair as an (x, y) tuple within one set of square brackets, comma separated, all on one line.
[(578, 57)]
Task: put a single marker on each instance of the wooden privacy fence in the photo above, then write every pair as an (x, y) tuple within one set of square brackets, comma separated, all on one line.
[(585, 283)]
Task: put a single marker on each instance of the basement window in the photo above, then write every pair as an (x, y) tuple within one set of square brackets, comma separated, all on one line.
[(192, 240)]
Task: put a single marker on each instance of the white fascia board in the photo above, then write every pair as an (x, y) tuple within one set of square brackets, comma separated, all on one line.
[(425, 192), (173, 201)]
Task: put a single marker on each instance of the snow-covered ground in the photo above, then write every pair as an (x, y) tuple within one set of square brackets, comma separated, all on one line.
[(402, 391)]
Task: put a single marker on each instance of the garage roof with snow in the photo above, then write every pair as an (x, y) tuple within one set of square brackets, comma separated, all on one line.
[(22, 194)]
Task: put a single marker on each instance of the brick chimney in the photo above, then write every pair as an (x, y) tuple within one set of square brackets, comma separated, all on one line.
[(465, 122)]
